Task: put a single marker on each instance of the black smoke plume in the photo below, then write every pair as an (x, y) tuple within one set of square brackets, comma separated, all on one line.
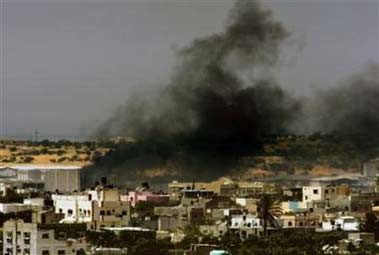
[(352, 108), (221, 98)]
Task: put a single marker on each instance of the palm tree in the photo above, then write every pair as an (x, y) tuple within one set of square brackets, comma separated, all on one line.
[(268, 210)]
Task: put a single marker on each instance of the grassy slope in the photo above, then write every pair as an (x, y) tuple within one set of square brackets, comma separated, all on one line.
[(48, 153)]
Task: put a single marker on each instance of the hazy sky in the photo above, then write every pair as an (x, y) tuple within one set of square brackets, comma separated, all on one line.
[(66, 65)]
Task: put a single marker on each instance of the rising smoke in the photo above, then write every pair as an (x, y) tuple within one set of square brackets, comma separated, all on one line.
[(221, 97), (222, 100), (352, 108)]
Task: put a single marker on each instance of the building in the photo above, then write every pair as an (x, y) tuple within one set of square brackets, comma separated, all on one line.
[(62, 178), (145, 196), (245, 226), (217, 229), (344, 223), (330, 196), (19, 186), (99, 208), (371, 168), (300, 221), (8, 172), (363, 202), (18, 207), (43, 238), (250, 204)]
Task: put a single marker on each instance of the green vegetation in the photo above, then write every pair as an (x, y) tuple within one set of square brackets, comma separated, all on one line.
[(281, 242), (268, 209), (136, 242)]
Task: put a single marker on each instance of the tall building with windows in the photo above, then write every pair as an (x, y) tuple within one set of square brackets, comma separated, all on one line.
[(43, 237)]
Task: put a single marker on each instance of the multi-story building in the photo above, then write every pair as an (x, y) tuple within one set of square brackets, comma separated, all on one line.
[(99, 208), (245, 226), (41, 237)]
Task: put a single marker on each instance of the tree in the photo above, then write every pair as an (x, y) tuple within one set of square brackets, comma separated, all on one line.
[(268, 210), (371, 224)]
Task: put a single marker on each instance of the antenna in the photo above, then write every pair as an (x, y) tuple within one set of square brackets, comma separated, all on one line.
[(36, 134)]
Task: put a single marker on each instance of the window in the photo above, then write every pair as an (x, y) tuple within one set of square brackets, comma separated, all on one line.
[(26, 251), (80, 252), (8, 251), (326, 191), (26, 240), (60, 210), (62, 235), (102, 213), (290, 223), (61, 252), (306, 197), (45, 236), (124, 212), (9, 237), (45, 252), (315, 191), (69, 212)]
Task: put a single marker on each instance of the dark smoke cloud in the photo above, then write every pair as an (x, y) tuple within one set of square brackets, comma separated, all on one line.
[(221, 97), (352, 108)]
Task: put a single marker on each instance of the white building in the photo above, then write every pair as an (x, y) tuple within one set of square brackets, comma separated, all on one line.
[(43, 239), (312, 193), (98, 208), (333, 196), (345, 223), (246, 225)]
